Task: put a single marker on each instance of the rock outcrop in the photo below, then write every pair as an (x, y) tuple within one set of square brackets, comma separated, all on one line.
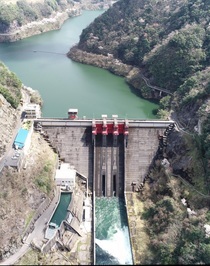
[(8, 120)]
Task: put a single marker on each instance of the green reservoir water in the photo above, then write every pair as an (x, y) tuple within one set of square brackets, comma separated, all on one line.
[(65, 84), (61, 210)]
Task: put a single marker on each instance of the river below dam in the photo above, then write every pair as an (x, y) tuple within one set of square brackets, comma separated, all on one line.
[(113, 245), (41, 63)]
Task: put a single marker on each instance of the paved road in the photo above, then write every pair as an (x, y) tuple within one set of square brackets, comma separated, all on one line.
[(9, 148), (38, 232), (82, 250)]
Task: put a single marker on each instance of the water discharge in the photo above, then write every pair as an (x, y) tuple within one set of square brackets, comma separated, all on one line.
[(112, 235), (117, 246)]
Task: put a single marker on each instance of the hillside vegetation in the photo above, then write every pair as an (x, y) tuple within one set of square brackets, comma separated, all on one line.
[(20, 19), (167, 40), (11, 96), (10, 86), (14, 14)]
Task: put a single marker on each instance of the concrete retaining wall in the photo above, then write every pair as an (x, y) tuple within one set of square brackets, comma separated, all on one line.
[(43, 206), (129, 229), (28, 139), (37, 214), (57, 195)]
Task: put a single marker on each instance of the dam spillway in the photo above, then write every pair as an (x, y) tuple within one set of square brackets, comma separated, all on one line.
[(114, 154), (109, 165)]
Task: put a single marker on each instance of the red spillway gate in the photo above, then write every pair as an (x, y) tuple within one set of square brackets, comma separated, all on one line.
[(106, 128)]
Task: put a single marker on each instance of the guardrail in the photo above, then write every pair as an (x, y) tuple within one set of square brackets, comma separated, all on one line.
[(88, 122)]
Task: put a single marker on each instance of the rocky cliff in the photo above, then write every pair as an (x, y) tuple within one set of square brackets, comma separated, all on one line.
[(20, 193), (8, 120)]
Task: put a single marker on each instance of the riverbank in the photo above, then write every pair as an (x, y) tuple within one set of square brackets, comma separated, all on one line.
[(53, 22), (133, 75)]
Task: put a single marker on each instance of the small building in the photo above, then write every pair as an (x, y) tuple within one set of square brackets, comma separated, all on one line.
[(20, 139), (65, 176), (32, 111), (72, 113)]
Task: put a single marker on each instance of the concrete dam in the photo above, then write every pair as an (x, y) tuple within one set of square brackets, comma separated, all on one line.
[(113, 154)]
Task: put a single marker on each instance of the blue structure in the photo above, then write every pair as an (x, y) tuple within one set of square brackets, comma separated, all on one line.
[(20, 138)]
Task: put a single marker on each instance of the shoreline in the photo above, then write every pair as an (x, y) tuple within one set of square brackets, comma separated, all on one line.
[(54, 22)]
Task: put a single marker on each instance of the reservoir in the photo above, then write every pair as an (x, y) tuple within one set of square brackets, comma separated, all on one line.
[(63, 84)]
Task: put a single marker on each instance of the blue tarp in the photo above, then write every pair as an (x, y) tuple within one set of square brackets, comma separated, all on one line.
[(21, 138)]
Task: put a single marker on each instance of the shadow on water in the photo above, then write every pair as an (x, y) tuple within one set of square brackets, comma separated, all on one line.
[(138, 93)]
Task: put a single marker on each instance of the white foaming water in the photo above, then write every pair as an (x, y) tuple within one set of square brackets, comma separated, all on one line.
[(118, 246)]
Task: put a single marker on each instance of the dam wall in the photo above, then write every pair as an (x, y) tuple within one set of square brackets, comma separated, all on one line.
[(141, 148), (114, 155), (74, 146)]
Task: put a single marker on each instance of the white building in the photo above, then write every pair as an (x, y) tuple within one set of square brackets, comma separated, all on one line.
[(65, 176), (32, 111)]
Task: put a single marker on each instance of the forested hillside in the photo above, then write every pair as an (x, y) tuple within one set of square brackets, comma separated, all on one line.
[(167, 40), (165, 44), (14, 14), (11, 96), (23, 18)]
